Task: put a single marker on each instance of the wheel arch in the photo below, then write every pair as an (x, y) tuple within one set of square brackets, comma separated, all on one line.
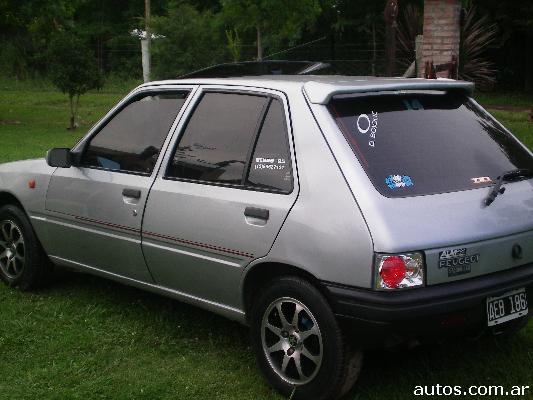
[(7, 198), (262, 273)]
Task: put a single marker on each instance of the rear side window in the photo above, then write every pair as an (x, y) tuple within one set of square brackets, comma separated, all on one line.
[(132, 139), (270, 167), (425, 143), (235, 139)]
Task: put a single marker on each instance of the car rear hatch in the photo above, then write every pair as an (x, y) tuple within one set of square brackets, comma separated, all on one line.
[(421, 160)]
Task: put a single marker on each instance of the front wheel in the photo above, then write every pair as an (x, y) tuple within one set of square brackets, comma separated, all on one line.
[(298, 342), (23, 262)]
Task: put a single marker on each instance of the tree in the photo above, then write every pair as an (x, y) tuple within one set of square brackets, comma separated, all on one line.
[(477, 35), (73, 69), (26, 27), (192, 40), (234, 44), (274, 21)]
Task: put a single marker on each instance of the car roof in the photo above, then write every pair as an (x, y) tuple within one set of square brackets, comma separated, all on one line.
[(321, 88)]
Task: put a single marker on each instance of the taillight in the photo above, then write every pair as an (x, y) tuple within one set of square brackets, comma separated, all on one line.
[(398, 271), (393, 271)]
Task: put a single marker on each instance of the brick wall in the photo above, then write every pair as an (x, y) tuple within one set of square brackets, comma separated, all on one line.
[(441, 33)]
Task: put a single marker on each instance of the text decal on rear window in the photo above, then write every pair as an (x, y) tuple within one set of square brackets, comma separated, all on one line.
[(366, 123)]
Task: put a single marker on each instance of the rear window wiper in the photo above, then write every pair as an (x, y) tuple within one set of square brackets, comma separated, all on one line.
[(509, 176)]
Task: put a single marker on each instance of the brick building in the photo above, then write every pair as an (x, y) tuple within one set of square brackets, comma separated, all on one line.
[(441, 34)]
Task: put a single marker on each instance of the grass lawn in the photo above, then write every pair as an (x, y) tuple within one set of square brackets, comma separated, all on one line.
[(88, 338), (514, 99)]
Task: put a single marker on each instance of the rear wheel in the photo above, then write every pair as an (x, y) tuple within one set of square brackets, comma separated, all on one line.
[(298, 342), (22, 260)]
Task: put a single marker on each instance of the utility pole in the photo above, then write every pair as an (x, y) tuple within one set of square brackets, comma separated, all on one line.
[(147, 43)]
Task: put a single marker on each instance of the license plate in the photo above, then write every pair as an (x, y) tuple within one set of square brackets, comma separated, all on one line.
[(507, 307)]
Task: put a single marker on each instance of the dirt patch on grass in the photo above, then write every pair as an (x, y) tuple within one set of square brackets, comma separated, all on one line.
[(9, 122)]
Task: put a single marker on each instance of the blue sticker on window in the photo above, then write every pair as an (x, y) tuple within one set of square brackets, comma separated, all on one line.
[(398, 181)]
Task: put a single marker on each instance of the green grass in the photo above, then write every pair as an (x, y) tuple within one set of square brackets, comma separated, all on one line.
[(518, 99), (33, 122), (88, 338), (517, 122)]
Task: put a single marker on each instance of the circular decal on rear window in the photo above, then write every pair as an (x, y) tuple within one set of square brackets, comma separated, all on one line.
[(367, 123)]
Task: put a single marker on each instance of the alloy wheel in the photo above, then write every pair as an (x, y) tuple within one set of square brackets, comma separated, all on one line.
[(292, 341), (12, 250)]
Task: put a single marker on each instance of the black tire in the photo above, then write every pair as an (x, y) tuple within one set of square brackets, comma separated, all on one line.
[(29, 267), (339, 365)]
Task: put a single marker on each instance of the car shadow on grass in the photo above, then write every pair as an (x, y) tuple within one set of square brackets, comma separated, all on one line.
[(488, 360)]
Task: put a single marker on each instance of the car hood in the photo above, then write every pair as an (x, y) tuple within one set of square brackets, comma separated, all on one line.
[(25, 166)]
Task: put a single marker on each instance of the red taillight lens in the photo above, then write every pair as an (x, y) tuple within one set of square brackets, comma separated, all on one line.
[(399, 271), (392, 271)]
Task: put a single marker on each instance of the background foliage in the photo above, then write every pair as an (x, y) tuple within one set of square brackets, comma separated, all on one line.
[(199, 33)]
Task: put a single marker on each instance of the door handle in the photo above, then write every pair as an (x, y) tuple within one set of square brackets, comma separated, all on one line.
[(131, 193), (260, 213)]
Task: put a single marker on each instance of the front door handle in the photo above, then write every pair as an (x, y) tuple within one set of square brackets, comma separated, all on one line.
[(260, 213), (131, 193)]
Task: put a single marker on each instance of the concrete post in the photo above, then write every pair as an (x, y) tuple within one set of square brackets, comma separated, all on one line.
[(145, 51)]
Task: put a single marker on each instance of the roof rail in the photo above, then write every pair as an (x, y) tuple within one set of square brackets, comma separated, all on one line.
[(256, 68)]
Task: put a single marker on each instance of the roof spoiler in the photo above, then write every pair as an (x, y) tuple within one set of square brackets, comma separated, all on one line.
[(321, 93)]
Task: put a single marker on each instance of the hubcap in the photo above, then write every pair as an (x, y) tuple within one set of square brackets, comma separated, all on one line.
[(12, 250), (292, 341)]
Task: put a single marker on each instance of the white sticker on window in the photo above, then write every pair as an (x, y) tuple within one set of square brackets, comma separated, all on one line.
[(273, 164), (366, 123)]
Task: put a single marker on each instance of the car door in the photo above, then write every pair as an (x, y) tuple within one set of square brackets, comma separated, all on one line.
[(95, 210), (221, 199)]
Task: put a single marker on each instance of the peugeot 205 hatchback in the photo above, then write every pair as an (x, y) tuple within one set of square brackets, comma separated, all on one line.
[(321, 211)]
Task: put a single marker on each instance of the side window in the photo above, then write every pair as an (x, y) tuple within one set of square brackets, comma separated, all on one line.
[(217, 140), (132, 139), (271, 162)]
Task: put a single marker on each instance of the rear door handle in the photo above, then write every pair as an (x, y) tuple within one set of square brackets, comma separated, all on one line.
[(260, 213), (131, 193)]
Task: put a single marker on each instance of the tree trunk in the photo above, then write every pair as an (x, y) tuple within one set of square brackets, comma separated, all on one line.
[(259, 45), (374, 49), (72, 113), (390, 44), (391, 15), (528, 81), (332, 54)]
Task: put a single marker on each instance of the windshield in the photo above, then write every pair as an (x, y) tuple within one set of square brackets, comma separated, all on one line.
[(425, 143)]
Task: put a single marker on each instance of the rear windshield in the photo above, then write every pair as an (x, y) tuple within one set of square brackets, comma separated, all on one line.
[(424, 143)]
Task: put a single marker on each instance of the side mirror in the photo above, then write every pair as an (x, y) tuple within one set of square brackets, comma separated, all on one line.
[(59, 157)]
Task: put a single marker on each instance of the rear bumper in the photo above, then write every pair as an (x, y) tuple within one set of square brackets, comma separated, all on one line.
[(459, 306)]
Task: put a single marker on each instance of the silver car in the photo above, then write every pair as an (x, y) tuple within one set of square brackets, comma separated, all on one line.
[(327, 213)]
